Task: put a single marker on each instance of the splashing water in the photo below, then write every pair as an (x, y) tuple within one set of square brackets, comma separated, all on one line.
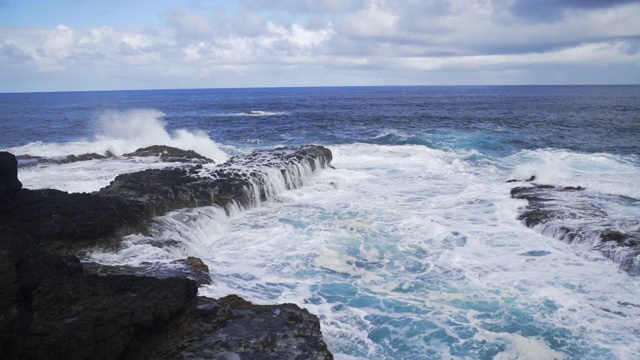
[(412, 247), (125, 132), (409, 252), (118, 133)]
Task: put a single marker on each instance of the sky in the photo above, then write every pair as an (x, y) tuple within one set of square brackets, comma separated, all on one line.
[(74, 45)]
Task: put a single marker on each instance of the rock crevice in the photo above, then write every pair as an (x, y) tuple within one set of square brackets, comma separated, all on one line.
[(574, 215), (52, 307)]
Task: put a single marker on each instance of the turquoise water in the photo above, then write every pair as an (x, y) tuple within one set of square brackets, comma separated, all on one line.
[(411, 247)]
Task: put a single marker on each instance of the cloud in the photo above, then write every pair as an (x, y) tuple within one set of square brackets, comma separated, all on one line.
[(312, 6), (466, 28), (554, 10), (13, 54), (248, 23), (188, 25), (374, 20), (287, 42), (595, 54)]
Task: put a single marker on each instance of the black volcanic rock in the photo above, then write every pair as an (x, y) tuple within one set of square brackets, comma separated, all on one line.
[(85, 157), (8, 174), (52, 307), (171, 154), (20, 275), (29, 160), (88, 317), (630, 239), (231, 327), (189, 268), (570, 214), (68, 220), (163, 190)]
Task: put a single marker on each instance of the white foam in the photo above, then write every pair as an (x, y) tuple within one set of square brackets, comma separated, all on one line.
[(522, 348), (425, 248), (603, 173), (256, 113), (83, 176), (121, 132)]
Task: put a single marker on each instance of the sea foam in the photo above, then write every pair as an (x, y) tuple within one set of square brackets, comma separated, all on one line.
[(117, 133), (121, 132), (407, 250)]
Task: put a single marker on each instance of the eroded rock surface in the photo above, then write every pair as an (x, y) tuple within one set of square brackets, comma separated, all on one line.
[(53, 307), (170, 154), (575, 215), (231, 327), (8, 174)]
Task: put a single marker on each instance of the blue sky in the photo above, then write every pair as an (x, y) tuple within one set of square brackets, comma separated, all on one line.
[(61, 45), (90, 13)]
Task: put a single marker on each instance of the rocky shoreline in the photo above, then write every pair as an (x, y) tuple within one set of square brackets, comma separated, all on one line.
[(573, 215), (53, 306)]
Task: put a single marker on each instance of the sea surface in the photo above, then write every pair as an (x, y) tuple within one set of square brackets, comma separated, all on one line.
[(411, 248)]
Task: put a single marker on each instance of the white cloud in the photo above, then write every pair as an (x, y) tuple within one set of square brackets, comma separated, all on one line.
[(312, 6), (324, 43), (375, 20), (188, 25), (248, 23), (595, 54)]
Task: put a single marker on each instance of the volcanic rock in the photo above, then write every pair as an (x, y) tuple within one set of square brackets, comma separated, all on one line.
[(569, 214), (232, 328), (8, 173), (189, 268), (170, 154), (53, 307)]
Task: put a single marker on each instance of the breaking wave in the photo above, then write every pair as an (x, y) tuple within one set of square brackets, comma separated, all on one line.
[(121, 132)]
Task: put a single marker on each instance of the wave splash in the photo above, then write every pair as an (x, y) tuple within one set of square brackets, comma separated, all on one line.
[(121, 132), (398, 138)]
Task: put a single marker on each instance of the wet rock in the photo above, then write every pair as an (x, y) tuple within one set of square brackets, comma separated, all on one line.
[(572, 188), (234, 328), (615, 236), (90, 317), (66, 221), (163, 190), (196, 269), (53, 307), (190, 268), (70, 221), (19, 277), (86, 157), (170, 154), (29, 160), (532, 178), (536, 253), (572, 215), (8, 174)]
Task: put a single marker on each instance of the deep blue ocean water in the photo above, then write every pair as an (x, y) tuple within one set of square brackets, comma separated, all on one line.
[(411, 247), (496, 120)]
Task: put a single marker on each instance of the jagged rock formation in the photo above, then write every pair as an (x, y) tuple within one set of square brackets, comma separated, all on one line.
[(572, 215), (72, 221), (162, 152), (8, 173), (54, 307), (170, 154), (28, 160), (232, 328), (189, 268)]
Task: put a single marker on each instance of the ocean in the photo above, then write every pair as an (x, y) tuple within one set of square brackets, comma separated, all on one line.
[(412, 247)]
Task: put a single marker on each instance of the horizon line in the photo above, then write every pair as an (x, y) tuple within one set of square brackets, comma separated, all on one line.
[(308, 87)]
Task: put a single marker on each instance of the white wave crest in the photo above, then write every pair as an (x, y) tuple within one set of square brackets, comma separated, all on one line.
[(121, 132), (604, 173), (256, 113)]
